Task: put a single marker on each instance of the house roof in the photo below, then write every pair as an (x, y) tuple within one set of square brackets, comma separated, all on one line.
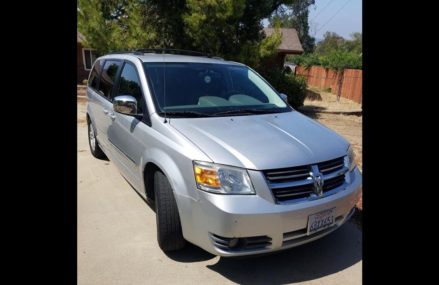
[(80, 37), (290, 40)]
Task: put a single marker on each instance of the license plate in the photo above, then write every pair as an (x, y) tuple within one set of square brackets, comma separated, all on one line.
[(320, 221)]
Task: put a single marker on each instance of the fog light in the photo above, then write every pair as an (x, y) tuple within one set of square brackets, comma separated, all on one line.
[(233, 242)]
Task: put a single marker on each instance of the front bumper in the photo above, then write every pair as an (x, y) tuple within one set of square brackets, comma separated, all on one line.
[(255, 216)]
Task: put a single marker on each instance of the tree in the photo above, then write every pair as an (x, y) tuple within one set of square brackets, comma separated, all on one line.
[(355, 45), (331, 41), (295, 15), (115, 25), (227, 28)]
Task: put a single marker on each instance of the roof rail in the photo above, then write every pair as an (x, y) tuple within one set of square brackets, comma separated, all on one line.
[(167, 50)]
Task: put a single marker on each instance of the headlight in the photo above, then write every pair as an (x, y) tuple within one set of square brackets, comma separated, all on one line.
[(222, 179), (349, 160)]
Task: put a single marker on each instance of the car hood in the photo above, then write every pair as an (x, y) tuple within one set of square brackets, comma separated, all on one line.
[(265, 141)]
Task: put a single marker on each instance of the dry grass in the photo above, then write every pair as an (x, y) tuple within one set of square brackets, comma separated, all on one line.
[(328, 101)]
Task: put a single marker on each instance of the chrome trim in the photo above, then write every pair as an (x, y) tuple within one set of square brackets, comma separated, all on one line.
[(294, 194), (286, 176), (335, 173), (331, 168), (125, 104), (314, 177), (287, 171), (278, 185)]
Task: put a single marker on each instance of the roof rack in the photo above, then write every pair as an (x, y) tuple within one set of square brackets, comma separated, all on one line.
[(167, 50)]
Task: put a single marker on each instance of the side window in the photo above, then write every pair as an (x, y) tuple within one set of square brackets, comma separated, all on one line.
[(108, 77), (129, 84), (94, 75), (89, 56)]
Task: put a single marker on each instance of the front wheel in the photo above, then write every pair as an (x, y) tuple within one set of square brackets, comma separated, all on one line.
[(95, 149), (169, 233)]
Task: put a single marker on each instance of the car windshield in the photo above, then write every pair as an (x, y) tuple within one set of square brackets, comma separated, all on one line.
[(204, 89)]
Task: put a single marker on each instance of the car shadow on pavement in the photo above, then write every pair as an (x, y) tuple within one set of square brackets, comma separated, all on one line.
[(330, 254), (190, 253)]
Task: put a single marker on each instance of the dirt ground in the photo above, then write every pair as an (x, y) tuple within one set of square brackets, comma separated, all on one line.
[(342, 116), (117, 241), (326, 101)]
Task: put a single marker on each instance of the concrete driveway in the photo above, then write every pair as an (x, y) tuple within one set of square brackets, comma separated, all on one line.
[(117, 241)]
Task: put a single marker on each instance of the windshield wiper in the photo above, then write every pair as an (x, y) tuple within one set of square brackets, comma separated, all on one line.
[(185, 114), (245, 111)]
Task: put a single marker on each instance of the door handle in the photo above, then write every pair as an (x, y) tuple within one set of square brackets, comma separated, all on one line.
[(112, 116), (105, 111)]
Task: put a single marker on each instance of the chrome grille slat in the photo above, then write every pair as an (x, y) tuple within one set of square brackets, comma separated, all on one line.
[(291, 170), (293, 194), (296, 183), (332, 168), (287, 176), (335, 173), (291, 184)]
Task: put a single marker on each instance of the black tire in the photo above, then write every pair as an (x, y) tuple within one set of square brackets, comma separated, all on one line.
[(169, 233), (95, 150)]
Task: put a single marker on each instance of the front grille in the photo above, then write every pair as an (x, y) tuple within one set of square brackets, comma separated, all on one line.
[(331, 165), (241, 244), (288, 174), (333, 183), (296, 183)]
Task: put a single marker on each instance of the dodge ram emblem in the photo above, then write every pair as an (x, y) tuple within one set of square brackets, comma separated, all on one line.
[(318, 183)]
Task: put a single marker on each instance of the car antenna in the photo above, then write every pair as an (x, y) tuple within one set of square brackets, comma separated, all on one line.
[(164, 86)]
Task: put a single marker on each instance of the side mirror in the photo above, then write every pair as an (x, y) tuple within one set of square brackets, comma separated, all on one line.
[(284, 97), (126, 105)]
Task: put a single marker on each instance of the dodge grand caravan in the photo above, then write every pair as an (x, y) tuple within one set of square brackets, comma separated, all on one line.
[(228, 164)]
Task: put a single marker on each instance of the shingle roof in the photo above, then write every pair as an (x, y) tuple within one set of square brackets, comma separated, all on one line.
[(290, 40)]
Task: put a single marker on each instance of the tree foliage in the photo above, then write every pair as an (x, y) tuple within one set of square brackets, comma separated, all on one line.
[(228, 28), (334, 52), (332, 41)]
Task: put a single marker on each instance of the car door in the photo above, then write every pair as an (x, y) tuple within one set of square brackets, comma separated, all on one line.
[(122, 131), (96, 101), (101, 104)]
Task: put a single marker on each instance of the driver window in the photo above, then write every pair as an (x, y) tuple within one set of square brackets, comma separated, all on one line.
[(129, 84)]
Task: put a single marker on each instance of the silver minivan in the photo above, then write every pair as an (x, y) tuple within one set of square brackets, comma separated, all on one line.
[(227, 163)]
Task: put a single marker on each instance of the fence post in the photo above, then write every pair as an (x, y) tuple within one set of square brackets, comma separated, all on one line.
[(340, 84)]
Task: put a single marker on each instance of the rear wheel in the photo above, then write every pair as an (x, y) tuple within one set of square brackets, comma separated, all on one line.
[(169, 233), (95, 149)]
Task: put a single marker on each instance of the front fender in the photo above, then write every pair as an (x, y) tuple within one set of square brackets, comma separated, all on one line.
[(179, 175)]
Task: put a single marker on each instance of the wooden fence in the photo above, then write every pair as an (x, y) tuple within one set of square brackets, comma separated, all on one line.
[(323, 78)]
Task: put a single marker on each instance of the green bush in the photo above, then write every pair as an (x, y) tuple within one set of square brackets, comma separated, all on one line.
[(339, 60), (306, 61), (293, 86), (335, 59)]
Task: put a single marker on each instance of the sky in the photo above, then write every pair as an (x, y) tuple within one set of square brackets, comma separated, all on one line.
[(343, 17)]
